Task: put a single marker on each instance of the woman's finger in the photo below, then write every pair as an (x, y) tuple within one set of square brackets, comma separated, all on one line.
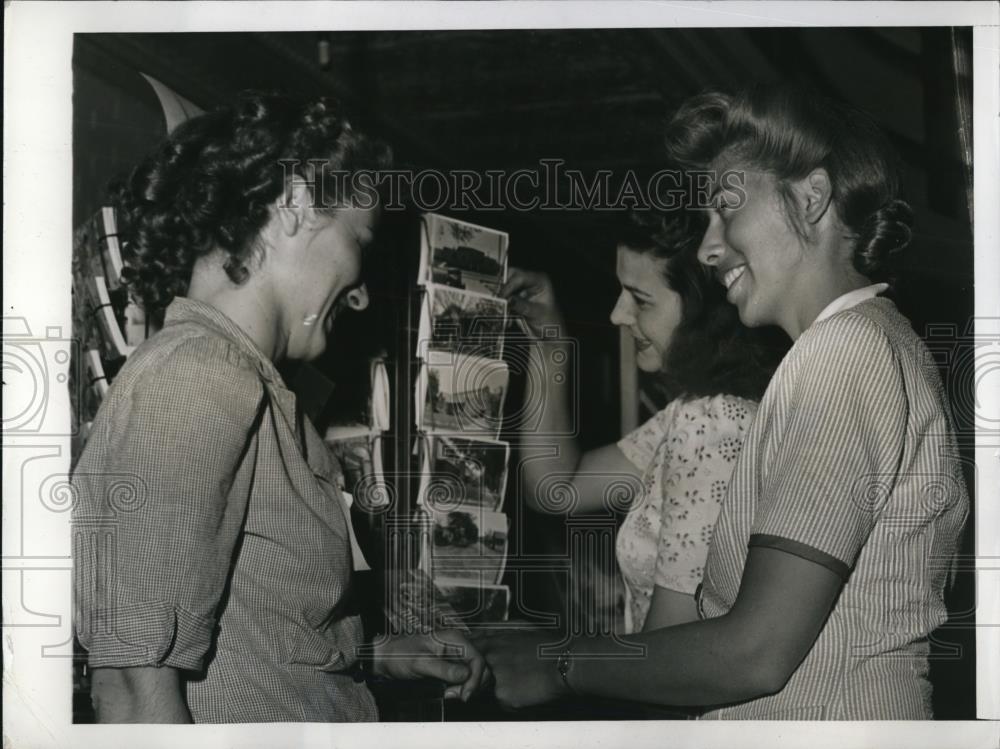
[(523, 283), (451, 643), (477, 665), (456, 641), (516, 280), (452, 672)]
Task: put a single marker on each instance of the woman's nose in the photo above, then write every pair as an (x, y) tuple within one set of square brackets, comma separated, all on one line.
[(357, 298), (712, 248), (622, 312)]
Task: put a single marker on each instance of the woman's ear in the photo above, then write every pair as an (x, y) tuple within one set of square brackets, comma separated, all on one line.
[(293, 208), (814, 194)]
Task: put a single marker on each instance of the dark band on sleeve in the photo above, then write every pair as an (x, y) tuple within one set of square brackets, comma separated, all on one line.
[(838, 567), (697, 600)]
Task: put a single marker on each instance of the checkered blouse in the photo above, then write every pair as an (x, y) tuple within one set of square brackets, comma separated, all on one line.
[(209, 534)]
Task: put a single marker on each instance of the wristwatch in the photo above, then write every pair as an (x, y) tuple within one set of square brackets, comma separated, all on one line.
[(563, 664)]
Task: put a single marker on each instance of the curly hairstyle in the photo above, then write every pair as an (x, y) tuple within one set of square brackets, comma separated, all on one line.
[(711, 352), (209, 186), (788, 131)]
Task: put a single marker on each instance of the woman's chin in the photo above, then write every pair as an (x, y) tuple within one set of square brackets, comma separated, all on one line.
[(648, 360)]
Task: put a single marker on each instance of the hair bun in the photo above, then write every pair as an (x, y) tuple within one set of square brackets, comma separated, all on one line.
[(884, 234)]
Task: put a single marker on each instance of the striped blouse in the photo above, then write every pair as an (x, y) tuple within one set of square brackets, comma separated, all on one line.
[(851, 463)]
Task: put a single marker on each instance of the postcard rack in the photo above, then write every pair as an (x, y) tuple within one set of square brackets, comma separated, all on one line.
[(446, 541)]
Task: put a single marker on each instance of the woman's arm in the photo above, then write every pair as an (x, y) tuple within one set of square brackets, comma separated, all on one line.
[(668, 608), (139, 695), (176, 443), (750, 652), (553, 456)]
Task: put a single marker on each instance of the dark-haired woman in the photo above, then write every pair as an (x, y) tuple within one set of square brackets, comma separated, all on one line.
[(218, 590), (828, 566), (713, 371)]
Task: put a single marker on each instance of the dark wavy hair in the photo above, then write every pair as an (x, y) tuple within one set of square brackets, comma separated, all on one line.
[(209, 186), (788, 131), (711, 352)]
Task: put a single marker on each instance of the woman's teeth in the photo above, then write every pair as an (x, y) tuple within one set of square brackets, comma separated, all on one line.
[(732, 276), (641, 344)]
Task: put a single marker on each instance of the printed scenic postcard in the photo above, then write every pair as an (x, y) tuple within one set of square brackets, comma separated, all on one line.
[(462, 322), (464, 394), (462, 471), (469, 545), (462, 255)]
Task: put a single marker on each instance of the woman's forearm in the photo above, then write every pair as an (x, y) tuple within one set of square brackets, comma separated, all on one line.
[(749, 652), (139, 695), (701, 663)]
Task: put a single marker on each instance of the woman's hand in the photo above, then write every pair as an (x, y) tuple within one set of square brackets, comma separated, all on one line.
[(523, 677), (529, 295), (445, 654)]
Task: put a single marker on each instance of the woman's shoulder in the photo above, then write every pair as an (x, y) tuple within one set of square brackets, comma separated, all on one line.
[(871, 337), (188, 359), (721, 410), (875, 322)]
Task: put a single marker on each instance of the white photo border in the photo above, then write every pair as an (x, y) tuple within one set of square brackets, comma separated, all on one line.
[(38, 43)]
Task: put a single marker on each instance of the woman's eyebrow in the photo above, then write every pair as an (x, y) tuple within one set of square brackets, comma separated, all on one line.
[(635, 290)]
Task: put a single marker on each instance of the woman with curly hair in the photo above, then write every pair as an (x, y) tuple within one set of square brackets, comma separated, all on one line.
[(712, 371), (830, 559), (220, 591)]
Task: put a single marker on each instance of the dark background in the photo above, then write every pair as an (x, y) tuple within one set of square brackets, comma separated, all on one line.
[(597, 99)]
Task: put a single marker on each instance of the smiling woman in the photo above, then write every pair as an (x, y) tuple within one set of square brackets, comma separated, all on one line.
[(836, 540), (224, 597), (712, 371)]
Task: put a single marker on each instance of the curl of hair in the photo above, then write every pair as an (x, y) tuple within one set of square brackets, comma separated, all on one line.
[(883, 235), (210, 184), (711, 352), (788, 131)]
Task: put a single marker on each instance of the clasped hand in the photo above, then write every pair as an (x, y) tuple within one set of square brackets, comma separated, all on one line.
[(522, 675), (444, 654)]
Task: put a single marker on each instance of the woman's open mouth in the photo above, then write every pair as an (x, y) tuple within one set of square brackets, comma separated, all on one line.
[(733, 275), (731, 279)]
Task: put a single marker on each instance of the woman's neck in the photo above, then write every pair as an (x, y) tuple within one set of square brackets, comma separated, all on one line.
[(827, 285), (246, 304)]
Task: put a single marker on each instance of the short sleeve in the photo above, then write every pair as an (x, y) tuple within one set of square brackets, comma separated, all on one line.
[(706, 438), (641, 444), (838, 455), (155, 551)]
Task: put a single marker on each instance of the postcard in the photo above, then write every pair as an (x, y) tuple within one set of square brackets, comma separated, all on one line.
[(462, 255), (461, 471), (469, 545), (472, 604), (465, 394), (462, 322)]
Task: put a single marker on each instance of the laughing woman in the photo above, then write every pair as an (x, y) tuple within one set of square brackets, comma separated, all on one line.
[(713, 371), (221, 591), (827, 571)]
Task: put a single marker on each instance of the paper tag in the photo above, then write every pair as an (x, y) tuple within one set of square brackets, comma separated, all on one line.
[(360, 563)]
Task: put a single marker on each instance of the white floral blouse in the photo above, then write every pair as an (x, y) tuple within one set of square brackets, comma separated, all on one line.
[(686, 453)]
